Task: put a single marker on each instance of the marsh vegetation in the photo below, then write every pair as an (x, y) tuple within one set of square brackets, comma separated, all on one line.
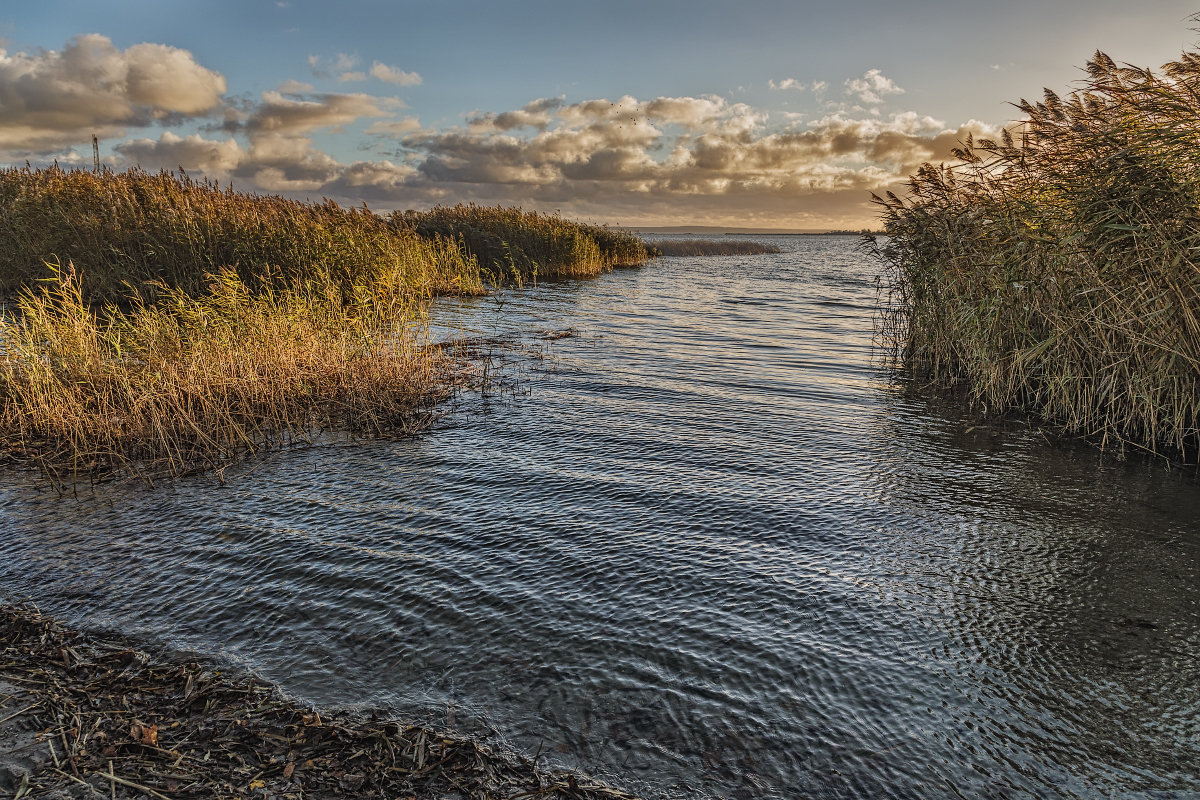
[(709, 247), (162, 324), (1055, 271), (512, 243)]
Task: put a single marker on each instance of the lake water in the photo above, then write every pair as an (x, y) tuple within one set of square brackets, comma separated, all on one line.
[(706, 549)]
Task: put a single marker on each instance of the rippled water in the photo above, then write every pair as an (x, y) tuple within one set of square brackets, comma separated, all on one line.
[(705, 549)]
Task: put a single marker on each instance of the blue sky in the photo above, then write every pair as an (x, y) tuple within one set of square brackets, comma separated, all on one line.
[(752, 114)]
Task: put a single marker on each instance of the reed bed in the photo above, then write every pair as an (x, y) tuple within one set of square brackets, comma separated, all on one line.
[(1056, 272), (709, 247), (192, 383), (513, 244), (194, 325), (135, 227)]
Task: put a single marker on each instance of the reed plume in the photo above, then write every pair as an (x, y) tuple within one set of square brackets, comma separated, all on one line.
[(1056, 271)]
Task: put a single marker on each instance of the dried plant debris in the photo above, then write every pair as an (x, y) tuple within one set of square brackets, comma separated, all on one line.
[(83, 716)]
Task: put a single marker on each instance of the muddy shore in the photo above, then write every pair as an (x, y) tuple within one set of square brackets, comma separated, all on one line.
[(84, 716)]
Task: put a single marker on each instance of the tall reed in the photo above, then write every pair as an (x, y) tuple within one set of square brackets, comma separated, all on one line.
[(709, 247), (194, 324), (199, 382), (1057, 271), (509, 242), (135, 227)]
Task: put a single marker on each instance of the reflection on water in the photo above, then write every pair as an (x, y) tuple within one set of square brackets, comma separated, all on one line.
[(708, 550)]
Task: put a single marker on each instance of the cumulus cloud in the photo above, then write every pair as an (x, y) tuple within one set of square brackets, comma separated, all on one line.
[(214, 158), (279, 156), (49, 99), (289, 114), (872, 87), (389, 74), (717, 149), (537, 114), (664, 158)]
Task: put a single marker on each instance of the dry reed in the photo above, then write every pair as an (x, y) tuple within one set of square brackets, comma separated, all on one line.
[(1057, 273), (513, 244), (709, 247), (192, 383), (134, 227), (196, 324)]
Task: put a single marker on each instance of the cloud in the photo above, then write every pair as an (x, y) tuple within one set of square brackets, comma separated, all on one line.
[(718, 149), (216, 159), (663, 159), (295, 87), (340, 64), (872, 87), (536, 114), (786, 83), (347, 77), (277, 113), (50, 99), (394, 127), (393, 75)]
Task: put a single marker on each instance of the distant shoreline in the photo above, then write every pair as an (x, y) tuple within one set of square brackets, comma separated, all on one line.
[(702, 230)]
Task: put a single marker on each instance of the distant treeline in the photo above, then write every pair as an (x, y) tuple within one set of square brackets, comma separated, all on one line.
[(1057, 271), (708, 247)]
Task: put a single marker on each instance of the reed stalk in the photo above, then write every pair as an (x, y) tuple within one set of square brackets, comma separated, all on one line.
[(194, 325), (1056, 272), (708, 247), (135, 228), (192, 383), (510, 243)]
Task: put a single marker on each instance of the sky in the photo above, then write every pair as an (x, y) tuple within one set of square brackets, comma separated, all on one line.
[(748, 114)]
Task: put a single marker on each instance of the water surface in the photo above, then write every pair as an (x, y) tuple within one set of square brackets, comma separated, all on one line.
[(707, 548)]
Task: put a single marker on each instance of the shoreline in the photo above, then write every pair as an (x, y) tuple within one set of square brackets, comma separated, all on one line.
[(86, 715)]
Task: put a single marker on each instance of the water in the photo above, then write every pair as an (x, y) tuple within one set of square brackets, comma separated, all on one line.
[(706, 549)]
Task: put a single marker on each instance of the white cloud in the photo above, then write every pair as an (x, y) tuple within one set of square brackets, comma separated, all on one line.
[(872, 87), (280, 114), (49, 99), (393, 75), (216, 159), (666, 158)]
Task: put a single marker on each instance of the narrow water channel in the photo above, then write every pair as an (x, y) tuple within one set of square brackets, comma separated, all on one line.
[(705, 549)]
